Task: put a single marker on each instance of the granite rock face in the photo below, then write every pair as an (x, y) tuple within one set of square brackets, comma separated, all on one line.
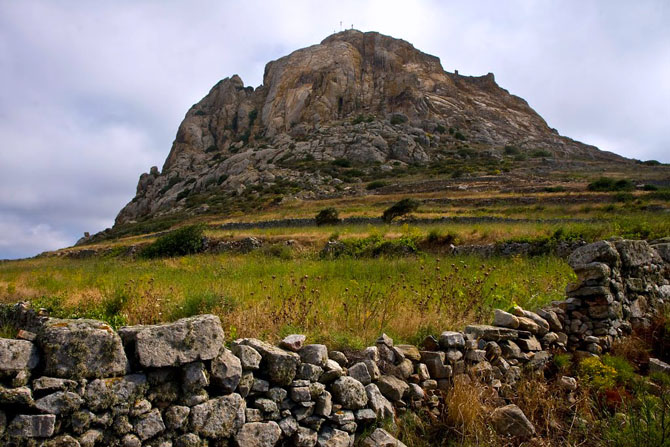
[(365, 97)]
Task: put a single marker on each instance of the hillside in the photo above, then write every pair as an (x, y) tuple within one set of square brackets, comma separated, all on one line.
[(356, 108)]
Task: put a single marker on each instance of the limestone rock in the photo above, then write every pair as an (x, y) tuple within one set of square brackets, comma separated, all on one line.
[(350, 393), (314, 354), (281, 366), (505, 319), (392, 388), (81, 349), (32, 426), (17, 355), (510, 421), (218, 418), (258, 434), (149, 425), (226, 371), (492, 333), (293, 342), (381, 438), (184, 341), (249, 357), (59, 402)]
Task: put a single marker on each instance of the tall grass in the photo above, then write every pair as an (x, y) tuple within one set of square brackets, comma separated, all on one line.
[(340, 302)]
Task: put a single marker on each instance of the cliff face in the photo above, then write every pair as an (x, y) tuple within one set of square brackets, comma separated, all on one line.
[(364, 97)]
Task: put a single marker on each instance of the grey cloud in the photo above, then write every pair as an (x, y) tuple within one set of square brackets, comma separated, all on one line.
[(93, 92)]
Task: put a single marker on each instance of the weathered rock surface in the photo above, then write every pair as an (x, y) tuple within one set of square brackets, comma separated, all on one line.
[(281, 365), (81, 349), (17, 355), (381, 438), (510, 421), (185, 340), (350, 393), (218, 418), (308, 106), (258, 434)]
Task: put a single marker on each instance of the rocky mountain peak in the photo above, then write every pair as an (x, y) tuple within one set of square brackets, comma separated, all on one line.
[(367, 98)]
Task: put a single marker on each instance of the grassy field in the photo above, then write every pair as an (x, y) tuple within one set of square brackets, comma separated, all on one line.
[(342, 302)]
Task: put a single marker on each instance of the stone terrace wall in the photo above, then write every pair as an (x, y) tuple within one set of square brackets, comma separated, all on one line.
[(80, 383)]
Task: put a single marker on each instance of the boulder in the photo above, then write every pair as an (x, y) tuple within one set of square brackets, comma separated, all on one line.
[(280, 365), (218, 418), (32, 426), (360, 372), (392, 388), (81, 349), (350, 393), (449, 339), (491, 333), (249, 357), (510, 421), (184, 341), (658, 366), (17, 355), (332, 437), (305, 437), (258, 434), (149, 425), (293, 342), (105, 393), (601, 251), (314, 354), (226, 371), (381, 438), (410, 352), (59, 402), (504, 319)]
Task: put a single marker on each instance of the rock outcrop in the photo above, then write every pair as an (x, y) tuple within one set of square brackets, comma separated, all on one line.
[(370, 99)]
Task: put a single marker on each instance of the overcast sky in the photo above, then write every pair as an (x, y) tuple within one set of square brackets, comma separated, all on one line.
[(92, 92)]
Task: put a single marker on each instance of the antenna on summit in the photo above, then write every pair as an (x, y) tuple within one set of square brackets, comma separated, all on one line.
[(340, 26)]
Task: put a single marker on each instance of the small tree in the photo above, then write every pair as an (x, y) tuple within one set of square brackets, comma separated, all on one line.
[(327, 216), (400, 208)]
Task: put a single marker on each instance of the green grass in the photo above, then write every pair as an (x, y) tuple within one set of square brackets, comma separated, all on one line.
[(343, 302)]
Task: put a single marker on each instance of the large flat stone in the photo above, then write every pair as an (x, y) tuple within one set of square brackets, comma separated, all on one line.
[(81, 349), (492, 333), (184, 341)]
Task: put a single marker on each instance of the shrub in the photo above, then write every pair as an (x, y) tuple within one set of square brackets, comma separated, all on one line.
[(540, 153), (610, 184), (400, 208), (376, 185), (327, 216), (649, 187), (341, 162), (459, 136), (440, 128), (398, 118), (511, 150), (183, 241), (594, 372), (554, 189), (363, 119), (199, 113)]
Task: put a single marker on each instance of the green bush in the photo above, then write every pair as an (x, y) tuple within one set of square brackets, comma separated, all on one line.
[(376, 185), (375, 246), (541, 153), (596, 374), (398, 118), (327, 216), (363, 119), (400, 208), (440, 129), (459, 136), (341, 162), (183, 241), (649, 187), (610, 184), (511, 150)]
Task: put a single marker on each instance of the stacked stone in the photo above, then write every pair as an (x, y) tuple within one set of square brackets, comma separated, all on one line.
[(82, 384), (621, 284)]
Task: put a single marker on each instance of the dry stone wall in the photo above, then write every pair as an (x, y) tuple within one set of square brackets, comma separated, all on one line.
[(80, 383)]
